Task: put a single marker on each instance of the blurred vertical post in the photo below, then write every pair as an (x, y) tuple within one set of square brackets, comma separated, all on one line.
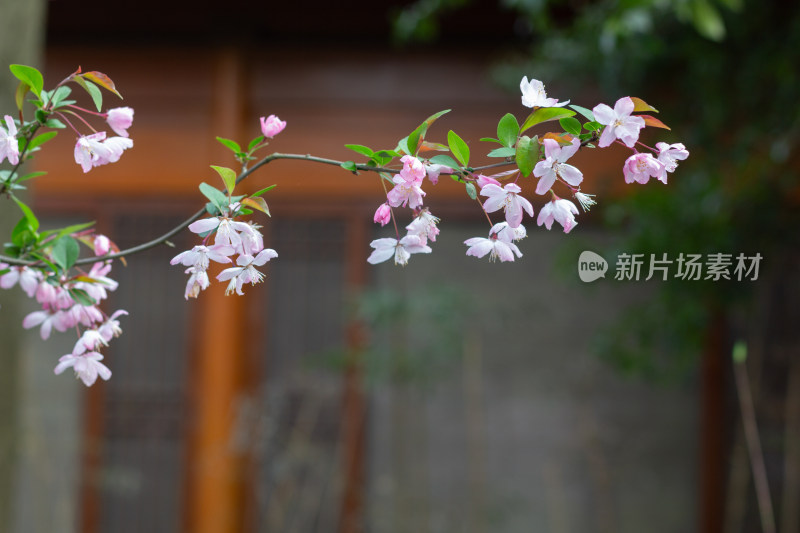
[(22, 25), (215, 484)]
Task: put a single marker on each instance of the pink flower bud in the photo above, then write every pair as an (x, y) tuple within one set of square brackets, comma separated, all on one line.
[(271, 126), (383, 214), (120, 119), (101, 245)]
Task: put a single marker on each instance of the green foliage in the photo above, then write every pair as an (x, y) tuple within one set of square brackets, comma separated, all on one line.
[(458, 147)]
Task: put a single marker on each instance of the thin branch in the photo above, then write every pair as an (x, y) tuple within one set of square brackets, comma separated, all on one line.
[(242, 176)]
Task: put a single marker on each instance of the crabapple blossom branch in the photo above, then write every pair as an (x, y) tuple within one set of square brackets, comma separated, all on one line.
[(47, 264)]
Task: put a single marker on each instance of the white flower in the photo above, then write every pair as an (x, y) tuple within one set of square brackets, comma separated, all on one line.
[(554, 166), (87, 366), (670, 154), (508, 234), (424, 225), (198, 281), (9, 147), (619, 123), (495, 245), (401, 250), (199, 256), (534, 95), (246, 271)]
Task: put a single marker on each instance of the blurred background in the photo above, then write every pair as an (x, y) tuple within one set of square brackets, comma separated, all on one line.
[(451, 395)]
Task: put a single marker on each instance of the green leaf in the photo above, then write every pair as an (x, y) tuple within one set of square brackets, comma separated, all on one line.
[(82, 297), (458, 147), (231, 145), (55, 124), (592, 126), (445, 160), (431, 119), (22, 235), (587, 113), (350, 166), (217, 197), (707, 20), (402, 146), (59, 95), (545, 114), (502, 152), (30, 176), (262, 191), (255, 142), (41, 139), (29, 76), (360, 149), (527, 154), (92, 89), (413, 141), (471, 190), (490, 140), (65, 252), (571, 125), (33, 222), (507, 130), (228, 176), (66, 231)]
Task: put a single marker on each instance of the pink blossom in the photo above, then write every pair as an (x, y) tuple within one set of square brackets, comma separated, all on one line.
[(383, 215), (87, 367), (120, 119), (670, 154), (619, 123), (406, 190), (9, 147), (28, 279), (534, 95), (102, 245), (424, 225), (412, 168), (509, 200), (640, 167), (95, 150), (401, 250), (554, 166), (433, 171), (495, 246), (110, 328), (271, 126), (559, 210), (482, 181), (47, 321)]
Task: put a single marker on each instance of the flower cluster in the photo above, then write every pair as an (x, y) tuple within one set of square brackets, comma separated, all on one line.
[(72, 303), (408, 191), (96, 149), (231, 237)]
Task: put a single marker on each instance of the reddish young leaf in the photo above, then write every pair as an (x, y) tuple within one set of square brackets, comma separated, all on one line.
[(653, 121), (102, 80)]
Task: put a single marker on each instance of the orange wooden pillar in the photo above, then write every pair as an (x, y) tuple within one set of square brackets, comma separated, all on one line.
[(215, 480)]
